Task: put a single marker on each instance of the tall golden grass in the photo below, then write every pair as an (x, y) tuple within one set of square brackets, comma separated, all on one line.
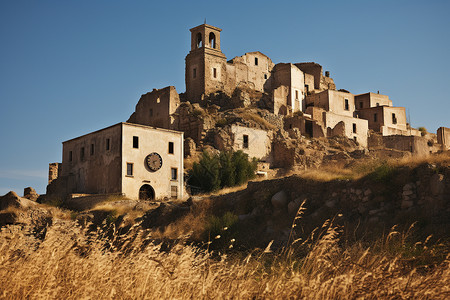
[(70, 263)]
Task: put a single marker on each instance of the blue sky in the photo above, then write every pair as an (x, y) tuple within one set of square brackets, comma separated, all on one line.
[(71, 67)]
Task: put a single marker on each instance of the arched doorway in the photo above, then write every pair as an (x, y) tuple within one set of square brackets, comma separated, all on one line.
[(146, 192)]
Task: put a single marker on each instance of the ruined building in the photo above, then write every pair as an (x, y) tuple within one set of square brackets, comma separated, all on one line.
[(247, 103)]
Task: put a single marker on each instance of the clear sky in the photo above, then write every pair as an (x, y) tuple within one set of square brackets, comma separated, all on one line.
[(71, 67)]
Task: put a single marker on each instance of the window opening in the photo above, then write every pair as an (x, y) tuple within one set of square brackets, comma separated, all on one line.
[(360, 105), (194, 73), (256, 61), (129, 169), (170, 147), (215, 72), (354, 128), (212, 40), (107, 144), (174, 173), (394, 119), (346, 105), (92, 149), (245, 141), (70, 155), (199, 40), (265, 76), (135, 142), (307, 88), (375, 117), (82, 153), (296, 95)]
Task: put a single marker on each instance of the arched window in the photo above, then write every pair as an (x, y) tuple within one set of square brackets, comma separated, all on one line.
[(212, 40), (199, 40)]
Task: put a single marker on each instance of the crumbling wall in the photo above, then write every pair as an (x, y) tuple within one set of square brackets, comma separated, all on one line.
[(155, 108), (314, 69), (352, 128), (54, 169), (417, 145), (280, 99), (443, 137)]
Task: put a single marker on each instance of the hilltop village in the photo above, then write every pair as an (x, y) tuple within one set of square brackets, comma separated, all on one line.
[(287, 115)]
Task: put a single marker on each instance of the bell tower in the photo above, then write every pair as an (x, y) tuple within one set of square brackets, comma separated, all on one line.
[(205, 63)]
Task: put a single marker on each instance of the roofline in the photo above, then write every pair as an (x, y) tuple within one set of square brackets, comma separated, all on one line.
[(127, 124), (205, 25)]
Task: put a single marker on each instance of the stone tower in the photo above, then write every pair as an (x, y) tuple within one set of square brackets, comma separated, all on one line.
[(205, 63)]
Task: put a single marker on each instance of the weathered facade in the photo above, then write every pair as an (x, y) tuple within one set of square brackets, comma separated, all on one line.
[(138, 161)]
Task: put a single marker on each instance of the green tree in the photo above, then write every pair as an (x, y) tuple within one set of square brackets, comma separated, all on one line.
[(205, 173)]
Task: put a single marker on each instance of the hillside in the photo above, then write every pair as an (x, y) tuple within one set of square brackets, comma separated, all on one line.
[(378, 229)]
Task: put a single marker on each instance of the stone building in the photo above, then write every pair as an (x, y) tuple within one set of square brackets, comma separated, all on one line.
[(140, 162)]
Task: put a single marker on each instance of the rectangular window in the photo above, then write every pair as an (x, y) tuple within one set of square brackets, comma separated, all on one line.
[(135, 142), (354, 128), (151, 112), (360, 105), (82, 153), (174, 191), (265, 76), (375, 117), (70, 155), (174, 173), (129, 169), (170, 147), (394, 119), (296, 95), (108, 144), (194, 73), (214, 72), (245, 141), (92, 149), (346, 106), (307, 88), (256, 61)]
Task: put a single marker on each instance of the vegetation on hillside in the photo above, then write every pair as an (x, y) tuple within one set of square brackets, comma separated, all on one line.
[(226, 169)]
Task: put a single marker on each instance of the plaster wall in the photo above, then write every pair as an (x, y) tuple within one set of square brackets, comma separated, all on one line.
[(151, 140), (371, 100), (259, 145), (354, 127), (96, 171)]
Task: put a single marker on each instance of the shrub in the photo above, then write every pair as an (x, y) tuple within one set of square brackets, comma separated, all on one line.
[(423, 131), (225, 169)]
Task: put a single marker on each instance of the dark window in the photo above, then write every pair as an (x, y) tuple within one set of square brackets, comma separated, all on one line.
[(355, 139), (92, 149), (199, 40), (307, 88), (170, 147), (265, 76), (194, 73), (375, 117), (346, 105), (129, 169), (212, 40), (82, 153), (174, 172), (151, 112), (378, 104), (215, 72), (107, 144), (360, 105), (174, 191), (70, 155), (394, 119), (135, 142), (354, 128), (256, 61), (296, 94), (245, 141)]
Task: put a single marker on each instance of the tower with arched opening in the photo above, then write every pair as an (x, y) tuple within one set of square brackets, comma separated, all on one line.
[(205, 63)]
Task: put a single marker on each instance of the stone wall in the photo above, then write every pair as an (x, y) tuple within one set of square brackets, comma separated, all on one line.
[(156, 108), (54, 169), (254, 142), (443, 137)]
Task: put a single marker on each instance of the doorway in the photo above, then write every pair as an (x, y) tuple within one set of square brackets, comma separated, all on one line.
[(146, 192)]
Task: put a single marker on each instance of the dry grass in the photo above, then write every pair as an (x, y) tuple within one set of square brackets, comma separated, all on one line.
[(72, 264)]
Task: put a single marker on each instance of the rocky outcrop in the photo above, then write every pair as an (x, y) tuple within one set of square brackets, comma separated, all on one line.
[(12, 200)]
